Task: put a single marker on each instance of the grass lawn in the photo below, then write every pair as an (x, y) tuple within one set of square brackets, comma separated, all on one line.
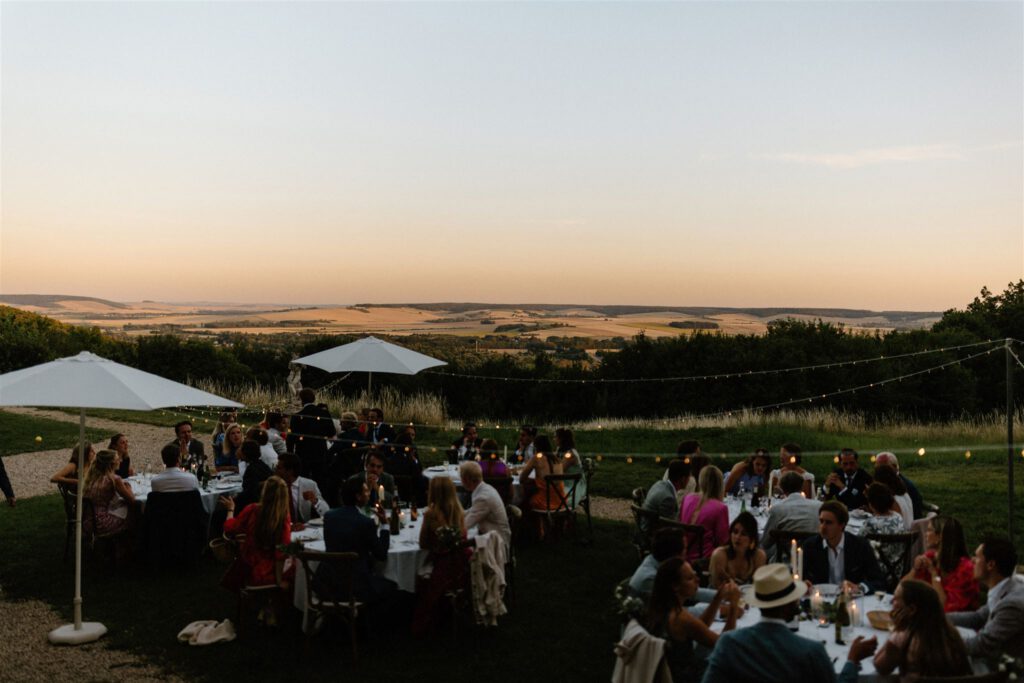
[(563, 621), (18, 434)]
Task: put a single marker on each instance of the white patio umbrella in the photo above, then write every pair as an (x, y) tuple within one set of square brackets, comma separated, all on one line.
[(89, 381), (370, 355)]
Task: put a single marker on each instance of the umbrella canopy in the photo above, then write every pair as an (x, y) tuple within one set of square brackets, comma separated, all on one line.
[(370, 355), (89, 381)]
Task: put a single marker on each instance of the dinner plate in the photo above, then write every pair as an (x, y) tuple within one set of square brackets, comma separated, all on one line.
[(437, 468), (319, 521), (827, 589)]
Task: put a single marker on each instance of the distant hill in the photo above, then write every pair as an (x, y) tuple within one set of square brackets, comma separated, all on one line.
[(53, 300)]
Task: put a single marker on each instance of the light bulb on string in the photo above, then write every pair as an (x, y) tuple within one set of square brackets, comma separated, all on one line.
[(920, 452)]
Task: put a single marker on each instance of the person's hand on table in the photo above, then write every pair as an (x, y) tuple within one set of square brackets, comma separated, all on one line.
[(851, 588), (862, 648), (371, 481), (310, 496), (835, 480)]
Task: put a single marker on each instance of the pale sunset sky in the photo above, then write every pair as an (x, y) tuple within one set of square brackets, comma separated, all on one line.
[(843, 154)]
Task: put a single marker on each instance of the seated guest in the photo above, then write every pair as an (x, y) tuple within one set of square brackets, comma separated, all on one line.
[(491, 463), (883, 520), (661, 497), (262, 438), (667, 543), (344, 457), (738, 559), (379, 431), (565, 449), (668, 618), (450, 563), (848, 483), (902, 504), (789, 461), (5, 485), (119, 444), (225, 457), (266, 525), (374, 476), (173, 478), (467, 446), (402, 461), (304, 498), (690, 453), (923, 642), (256, 472), (348, 530), (277, 428), (1000, 621), (888, 458), (227, 418), (834, 556), (946, 566), (68, 475), (543, 463), (794, 513), (751, 474), (111, 497), (707, 510), (525, 448), (487, 511), (191, 449), (768, 652)]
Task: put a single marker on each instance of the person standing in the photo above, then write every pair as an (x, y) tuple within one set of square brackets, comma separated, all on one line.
[(308, 432)]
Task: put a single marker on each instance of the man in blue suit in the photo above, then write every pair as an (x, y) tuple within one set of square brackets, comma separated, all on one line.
[(769, 652)]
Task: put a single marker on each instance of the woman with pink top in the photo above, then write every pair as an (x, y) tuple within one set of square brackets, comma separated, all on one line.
[(705, 508)]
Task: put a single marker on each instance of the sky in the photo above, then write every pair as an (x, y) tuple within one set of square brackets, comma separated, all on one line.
[(858, 155)]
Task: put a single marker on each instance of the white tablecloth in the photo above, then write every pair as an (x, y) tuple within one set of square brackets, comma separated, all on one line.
[(760, 513), (225, 486), (452, 472)]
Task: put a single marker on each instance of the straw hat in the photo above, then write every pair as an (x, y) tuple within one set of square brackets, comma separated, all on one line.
[(773, 586)]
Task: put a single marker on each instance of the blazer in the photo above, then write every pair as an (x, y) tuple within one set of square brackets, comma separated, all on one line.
[(385, 480), (915, 497), (382, 433), (312, 421), (859, 562), (768, 652), (195, 449), (794, 513), (853, 495), (488, 512), (1000, 629), (661, 498), (347, 530), (252, 482)]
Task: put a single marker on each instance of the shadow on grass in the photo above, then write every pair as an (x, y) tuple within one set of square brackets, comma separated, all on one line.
[(562, 624)]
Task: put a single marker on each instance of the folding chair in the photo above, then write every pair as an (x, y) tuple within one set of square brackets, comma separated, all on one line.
[(331, 593), (70, 510), (515, 523)]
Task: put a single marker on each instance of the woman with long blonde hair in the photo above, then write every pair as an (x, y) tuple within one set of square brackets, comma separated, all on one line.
[(450, 560), (225, 457), (266, 525), (109, 495), (705, 508)]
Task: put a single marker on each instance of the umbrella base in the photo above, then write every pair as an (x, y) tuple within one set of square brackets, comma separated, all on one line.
[(68, 635)]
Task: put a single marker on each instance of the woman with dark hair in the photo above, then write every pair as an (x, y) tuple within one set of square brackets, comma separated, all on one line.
[(738, 559), (525, 448), (543, 464), (491, 463), (947, 566), (923, 641), (887, 474), (750, 474), (68, 475), (883, 520), (668, 618), (277, 427), (789, 461), (119, 444), (225, 458)]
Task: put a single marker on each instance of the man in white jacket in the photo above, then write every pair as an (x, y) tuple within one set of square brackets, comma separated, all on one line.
[(305, 494), (487, 511)]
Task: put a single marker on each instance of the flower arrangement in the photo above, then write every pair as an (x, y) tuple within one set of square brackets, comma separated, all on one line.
[(628, 606), (449, 537), (1012, 665)]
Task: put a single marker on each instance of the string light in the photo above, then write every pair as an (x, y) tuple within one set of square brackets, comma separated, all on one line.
[(920, 452)]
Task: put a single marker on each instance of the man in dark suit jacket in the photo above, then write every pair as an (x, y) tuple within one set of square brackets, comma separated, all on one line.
[(347, 530), (374, 476), (834, 556), (190, 450), (308, 432), (848, 485), (379, 431)]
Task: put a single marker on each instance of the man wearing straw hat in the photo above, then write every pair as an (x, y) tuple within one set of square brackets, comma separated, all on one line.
[(768, 650)]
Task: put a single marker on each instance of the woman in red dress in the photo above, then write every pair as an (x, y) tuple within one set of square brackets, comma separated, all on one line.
[(266, 525), (946, 565)]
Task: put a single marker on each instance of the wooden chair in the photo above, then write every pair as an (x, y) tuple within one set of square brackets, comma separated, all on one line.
[(515, 523), (503, 485), (639, 496), (896, 567), (70, 499), (460, 592), (784, 540), (107, 541), (991, 677), (584, 500), (332, 598), (560, 503)]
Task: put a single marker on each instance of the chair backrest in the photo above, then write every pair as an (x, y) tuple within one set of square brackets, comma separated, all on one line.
[(503, 486), (991, 677), (174, 528), (639, 496), (783, 542), (70, 498), (561, 498), (894, 565), (332, 581)]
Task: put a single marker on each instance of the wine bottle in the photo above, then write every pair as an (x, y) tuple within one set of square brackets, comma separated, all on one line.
[(842, 619)]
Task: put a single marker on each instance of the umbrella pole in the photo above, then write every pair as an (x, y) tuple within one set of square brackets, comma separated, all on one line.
[(369, 383), (78, 632)]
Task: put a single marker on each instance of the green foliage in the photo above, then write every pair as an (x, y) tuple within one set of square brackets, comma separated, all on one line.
[(18, 434)]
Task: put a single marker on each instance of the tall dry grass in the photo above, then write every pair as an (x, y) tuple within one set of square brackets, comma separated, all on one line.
[(419, 408)]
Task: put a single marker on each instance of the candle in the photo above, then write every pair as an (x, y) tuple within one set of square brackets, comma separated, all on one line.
[(380, 494), (854, 614), (799, 563), (792, 556), (504, 455)]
